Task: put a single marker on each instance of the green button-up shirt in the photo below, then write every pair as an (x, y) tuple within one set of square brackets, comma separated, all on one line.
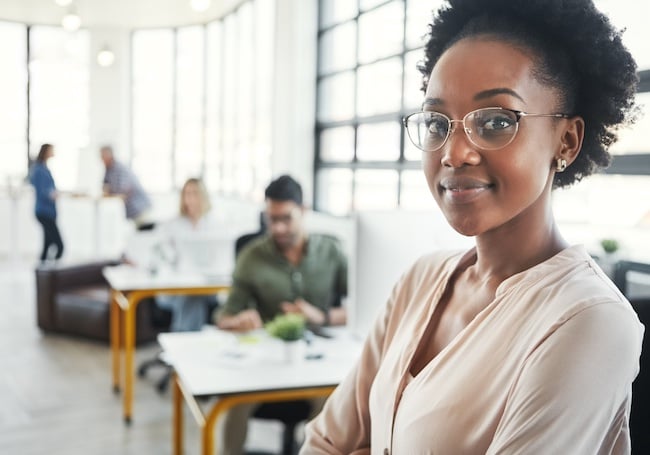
[(263, 278)]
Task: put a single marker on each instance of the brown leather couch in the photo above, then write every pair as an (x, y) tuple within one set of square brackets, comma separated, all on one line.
[(73, 299)]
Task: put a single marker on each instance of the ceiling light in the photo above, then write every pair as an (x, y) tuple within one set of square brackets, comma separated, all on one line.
[(71, 21), (63, 2), (200, 5), (105, 57)]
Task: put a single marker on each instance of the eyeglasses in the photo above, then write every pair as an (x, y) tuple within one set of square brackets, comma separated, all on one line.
[(490, 128)]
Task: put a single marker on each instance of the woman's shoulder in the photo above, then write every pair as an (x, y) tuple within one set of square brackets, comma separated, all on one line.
[(568, 285), (37, 168)]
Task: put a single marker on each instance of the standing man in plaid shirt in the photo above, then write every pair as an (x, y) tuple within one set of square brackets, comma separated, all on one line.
[(120, 181)]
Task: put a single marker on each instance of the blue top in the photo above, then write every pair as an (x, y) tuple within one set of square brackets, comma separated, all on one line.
[(43, 182)]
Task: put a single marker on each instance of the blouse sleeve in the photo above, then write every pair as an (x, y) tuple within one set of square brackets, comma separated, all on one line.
[(573, 393), (343, 426)]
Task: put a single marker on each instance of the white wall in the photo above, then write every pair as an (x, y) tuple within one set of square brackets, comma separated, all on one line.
[(294, 101), (97, 227)]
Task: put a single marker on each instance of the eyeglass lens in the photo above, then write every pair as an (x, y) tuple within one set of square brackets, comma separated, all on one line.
[(487, 129)]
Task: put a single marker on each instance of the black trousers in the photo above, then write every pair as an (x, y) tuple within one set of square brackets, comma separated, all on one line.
[(51, 236)]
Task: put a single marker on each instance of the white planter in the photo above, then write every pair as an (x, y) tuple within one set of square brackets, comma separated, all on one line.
[(294, 351)]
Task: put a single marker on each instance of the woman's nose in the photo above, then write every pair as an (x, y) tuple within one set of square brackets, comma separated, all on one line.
[(459, 150)]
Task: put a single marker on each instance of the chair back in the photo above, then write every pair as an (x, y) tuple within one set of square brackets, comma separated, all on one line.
[(640, 300), (640, 413)]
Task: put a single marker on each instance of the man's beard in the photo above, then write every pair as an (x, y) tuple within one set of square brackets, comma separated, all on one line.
[(286, 242)]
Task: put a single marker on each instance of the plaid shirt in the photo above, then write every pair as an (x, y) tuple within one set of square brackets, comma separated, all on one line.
[(119, 179)]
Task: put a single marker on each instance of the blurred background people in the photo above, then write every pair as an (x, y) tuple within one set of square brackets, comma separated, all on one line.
[(45, 208), (120, 181), (287, 270), (187, 234)]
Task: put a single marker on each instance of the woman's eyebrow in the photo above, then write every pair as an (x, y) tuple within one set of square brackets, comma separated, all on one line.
[(484, 94), (496, 91), (433, 102)]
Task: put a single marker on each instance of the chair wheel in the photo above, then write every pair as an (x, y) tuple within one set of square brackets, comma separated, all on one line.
[(161, 386)]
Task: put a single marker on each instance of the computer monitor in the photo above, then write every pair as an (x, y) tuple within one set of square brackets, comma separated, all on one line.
[(387, 244)]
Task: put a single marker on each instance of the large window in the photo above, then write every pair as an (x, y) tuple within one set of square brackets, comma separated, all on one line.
[(59, 98), (55, 108), (13, 109), (202, 102), (367, 80)]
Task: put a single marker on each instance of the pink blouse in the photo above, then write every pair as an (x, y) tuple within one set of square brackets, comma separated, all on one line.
[(545, 368)]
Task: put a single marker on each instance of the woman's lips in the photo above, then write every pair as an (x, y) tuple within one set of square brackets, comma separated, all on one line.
[(462, 190)]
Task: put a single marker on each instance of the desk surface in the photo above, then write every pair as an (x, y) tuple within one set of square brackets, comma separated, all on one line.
[(214, 362), (129, 278)]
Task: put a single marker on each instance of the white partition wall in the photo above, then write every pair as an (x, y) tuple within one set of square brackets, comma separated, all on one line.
[(387, 243), (96, 227)]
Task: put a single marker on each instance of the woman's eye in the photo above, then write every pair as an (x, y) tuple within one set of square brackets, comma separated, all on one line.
[(497, 123), (437, 126)]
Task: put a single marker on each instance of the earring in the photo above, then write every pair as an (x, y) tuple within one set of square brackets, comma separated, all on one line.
[(560, 165)]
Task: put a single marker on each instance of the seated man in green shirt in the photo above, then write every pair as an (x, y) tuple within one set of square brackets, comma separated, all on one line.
[(284, 271)]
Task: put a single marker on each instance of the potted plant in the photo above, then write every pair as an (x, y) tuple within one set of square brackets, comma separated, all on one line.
[(609, 245), (290, 328)]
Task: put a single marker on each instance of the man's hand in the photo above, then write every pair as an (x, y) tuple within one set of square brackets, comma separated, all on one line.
[(313, 314), (241, 322)]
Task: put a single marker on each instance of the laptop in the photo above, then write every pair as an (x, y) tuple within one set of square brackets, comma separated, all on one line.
[(212, 255)]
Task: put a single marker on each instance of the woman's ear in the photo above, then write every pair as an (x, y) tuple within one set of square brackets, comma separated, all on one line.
[(572, 136)]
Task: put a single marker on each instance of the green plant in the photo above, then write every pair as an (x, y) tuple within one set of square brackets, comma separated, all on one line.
[(287, 327), (609, 245)]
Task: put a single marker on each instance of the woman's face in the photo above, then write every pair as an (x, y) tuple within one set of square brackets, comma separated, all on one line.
[(479, 191), (192, 200)]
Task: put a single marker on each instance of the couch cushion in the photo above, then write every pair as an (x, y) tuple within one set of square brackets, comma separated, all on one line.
[(84, 313), (91, 293)]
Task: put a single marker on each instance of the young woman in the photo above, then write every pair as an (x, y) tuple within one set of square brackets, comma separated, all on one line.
[(194, 220), (520, 345), (45, 207)]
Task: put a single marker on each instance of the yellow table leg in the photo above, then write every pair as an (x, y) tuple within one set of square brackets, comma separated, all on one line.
[(129, 350), (115, 341), (225, 403), (177, 437)]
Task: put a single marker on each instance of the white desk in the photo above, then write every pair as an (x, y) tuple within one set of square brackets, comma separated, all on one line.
[(247, 370), (129, 285)]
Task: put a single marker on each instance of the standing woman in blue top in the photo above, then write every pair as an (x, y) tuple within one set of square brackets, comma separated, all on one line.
[(46, 195)]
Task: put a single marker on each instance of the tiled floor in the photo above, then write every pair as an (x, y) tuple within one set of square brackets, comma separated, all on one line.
[(56, 397)]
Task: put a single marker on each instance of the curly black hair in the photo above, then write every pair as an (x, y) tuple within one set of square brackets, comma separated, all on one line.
[(576, 50)]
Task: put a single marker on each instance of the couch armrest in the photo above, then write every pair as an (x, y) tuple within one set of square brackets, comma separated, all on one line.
[(52, 280), (45, 293)]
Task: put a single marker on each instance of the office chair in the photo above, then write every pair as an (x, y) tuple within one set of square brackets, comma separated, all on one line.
[(289, 413), (640, 412)]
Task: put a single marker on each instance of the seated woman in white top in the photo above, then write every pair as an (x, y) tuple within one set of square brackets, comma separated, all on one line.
[(195, 222)]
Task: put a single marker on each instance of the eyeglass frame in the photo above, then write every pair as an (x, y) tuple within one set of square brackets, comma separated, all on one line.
[(518, 114)]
